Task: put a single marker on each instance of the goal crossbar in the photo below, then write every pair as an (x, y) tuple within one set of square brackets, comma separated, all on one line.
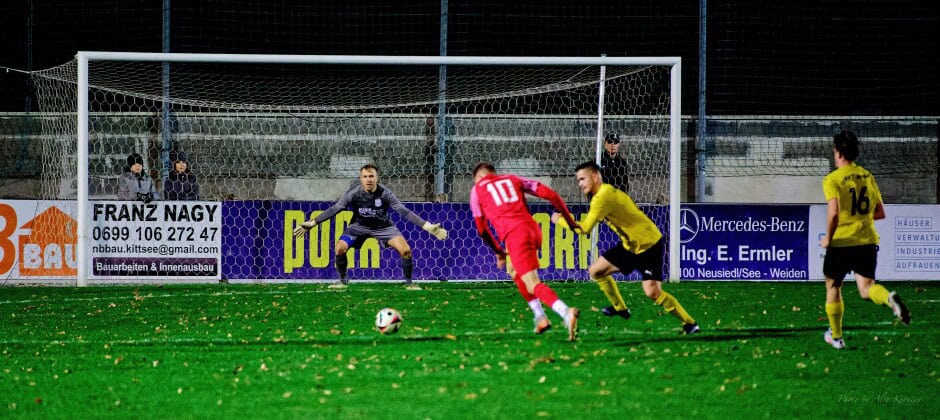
[(375, 59)]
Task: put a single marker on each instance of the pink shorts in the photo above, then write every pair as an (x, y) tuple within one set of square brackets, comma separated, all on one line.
[(523, 244)]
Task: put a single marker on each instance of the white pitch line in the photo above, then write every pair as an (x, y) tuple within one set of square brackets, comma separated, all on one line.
[(179, 295), (148, 296)]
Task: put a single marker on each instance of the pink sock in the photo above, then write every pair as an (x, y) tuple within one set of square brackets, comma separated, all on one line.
[(545, 294)]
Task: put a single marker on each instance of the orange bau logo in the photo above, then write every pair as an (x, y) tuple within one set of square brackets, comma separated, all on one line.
[(47, 250)]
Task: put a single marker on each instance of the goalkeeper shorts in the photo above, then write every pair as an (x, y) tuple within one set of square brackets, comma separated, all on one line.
[(355, 234)]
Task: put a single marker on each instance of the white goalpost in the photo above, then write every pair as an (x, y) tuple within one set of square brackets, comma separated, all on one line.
[(264, 130)]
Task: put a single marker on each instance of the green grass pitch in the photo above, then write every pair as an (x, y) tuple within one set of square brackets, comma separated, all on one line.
[(465, 350)]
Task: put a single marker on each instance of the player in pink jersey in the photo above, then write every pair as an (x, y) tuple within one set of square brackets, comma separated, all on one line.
[(500, 199)]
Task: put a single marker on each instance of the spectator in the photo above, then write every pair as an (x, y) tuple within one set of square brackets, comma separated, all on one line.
[(134, 185), (181, 184), (613, 166)]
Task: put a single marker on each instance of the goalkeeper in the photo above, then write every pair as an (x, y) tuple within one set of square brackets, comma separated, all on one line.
[(370, 202), (641, 246)]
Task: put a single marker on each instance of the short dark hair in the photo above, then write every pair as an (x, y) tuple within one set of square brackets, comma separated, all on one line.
[(588, 165), (369, 166), (484, 165), (134, 158), (176, 156), (846, 143)]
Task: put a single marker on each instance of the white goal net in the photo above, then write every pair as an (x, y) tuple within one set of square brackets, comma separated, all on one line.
[(270, 140)]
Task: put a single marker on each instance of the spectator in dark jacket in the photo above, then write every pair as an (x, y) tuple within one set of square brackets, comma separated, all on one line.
[(613, 166), (134, 184), (181, 184)]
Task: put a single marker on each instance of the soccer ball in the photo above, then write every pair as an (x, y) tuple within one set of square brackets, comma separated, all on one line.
[(387, 321)]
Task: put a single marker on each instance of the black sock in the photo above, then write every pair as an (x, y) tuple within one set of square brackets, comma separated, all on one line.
[(341, 262), (407, 266)]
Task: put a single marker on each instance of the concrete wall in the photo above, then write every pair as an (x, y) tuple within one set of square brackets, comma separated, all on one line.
[(752, 160), (747, 160)]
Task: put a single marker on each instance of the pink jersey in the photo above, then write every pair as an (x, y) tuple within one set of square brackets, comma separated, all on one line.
[(501, 200)]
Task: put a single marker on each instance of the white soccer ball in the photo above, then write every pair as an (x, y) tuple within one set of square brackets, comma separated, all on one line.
[(387, 321)]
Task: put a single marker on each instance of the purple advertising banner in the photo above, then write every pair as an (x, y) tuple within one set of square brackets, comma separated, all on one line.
[(719, 242), (735, 242), (258, 244)]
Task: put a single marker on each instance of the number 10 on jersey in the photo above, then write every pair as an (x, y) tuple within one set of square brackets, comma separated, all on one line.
[(502, 192)]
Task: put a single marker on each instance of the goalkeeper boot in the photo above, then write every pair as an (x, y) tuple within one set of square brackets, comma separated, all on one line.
[(690, 329), (571, 321), (542, 324), (899, 308), (610, 311), (836, 343), (341, 284)]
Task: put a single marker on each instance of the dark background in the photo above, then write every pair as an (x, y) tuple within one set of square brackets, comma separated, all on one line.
[(847, 58)]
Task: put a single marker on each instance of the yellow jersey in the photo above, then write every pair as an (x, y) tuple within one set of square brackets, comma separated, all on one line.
[(636, 231), (858, 194)]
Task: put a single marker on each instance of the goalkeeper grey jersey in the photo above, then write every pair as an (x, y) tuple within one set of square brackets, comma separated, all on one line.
[(370, 209)]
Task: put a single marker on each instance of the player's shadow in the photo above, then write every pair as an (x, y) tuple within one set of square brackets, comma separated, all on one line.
[(615, 342), (793, 330), (728, 334)]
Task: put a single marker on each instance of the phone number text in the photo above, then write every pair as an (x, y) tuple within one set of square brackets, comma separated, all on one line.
[(154, 233)]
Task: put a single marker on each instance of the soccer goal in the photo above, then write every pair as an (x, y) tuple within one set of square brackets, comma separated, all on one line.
[(272, 139)]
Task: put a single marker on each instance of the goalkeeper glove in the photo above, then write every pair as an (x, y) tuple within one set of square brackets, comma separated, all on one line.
[(435, 229), (304, 227)]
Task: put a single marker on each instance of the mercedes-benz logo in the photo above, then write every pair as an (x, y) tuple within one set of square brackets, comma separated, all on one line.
[(688, 225)]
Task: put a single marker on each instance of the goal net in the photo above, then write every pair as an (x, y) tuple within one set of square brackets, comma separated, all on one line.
[(269, 140)]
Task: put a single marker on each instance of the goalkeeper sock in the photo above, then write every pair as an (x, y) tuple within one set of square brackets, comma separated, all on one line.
[(341, 262), (834, 311), (671, 305), (407, 267), (610, 289), (878, 294)]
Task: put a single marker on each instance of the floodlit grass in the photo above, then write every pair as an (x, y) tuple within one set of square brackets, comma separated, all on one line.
[(466, 350)]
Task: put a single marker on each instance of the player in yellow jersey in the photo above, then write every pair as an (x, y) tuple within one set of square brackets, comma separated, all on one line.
[(641, 247), (853, 203)]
